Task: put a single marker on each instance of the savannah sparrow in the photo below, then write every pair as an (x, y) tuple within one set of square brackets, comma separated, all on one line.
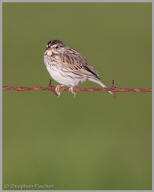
[(68, 67)]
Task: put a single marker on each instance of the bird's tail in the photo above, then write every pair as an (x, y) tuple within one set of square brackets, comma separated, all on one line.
[(99, 82)]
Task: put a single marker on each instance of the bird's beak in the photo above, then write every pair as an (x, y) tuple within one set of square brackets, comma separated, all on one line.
[(48, 48)]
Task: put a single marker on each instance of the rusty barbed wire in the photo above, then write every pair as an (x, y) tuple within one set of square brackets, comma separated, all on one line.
[(78, 89)]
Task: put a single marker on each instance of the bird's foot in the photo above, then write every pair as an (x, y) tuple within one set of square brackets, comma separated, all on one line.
[(71, 89), (57, 89)]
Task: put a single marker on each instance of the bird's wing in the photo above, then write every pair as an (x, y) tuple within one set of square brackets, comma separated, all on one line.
[(73, 61)]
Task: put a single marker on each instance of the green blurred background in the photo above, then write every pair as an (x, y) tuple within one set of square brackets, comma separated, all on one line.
[(91, 141)]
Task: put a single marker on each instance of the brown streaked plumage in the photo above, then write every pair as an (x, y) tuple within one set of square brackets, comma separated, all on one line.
[(67, 66)]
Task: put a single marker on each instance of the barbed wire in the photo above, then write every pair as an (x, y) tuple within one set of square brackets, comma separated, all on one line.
[(78, 89)]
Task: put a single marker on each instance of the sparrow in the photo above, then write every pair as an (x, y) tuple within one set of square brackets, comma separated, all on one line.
[(68, 67)]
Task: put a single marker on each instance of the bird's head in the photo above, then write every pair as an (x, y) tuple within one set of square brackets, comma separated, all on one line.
[(54, 45)]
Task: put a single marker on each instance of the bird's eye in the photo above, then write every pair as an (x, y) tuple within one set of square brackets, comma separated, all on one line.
[(57, 47)]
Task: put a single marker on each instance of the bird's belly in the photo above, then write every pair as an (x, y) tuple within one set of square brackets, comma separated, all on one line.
[(60, 76)]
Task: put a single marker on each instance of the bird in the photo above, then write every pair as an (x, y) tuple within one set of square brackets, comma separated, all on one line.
[(68, 67)]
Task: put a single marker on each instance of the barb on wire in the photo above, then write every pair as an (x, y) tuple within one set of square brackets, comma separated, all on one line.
[(77, 89)]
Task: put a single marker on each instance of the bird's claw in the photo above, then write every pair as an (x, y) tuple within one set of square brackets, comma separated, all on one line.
[(57, 89), (71, 89)]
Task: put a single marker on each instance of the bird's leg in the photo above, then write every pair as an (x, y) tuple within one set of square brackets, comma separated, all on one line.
[(71, 89), (57, 89), (49, 84)]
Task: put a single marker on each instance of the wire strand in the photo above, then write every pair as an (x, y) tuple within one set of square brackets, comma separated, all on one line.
[(78, 89)]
